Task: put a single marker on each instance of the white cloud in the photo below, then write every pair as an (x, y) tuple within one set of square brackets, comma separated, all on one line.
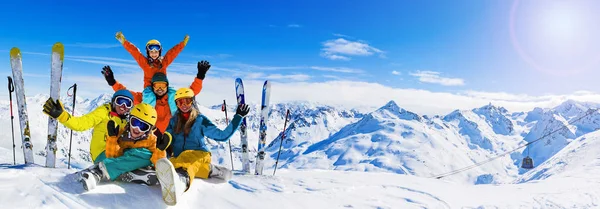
[(334, 57), (434, 77), (342, 93), (396, 73), (333, 49), (294, 26)]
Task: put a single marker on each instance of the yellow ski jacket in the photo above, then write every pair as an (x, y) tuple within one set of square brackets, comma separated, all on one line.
[(97, 119)]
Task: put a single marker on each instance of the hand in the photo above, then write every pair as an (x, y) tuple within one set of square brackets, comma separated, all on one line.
[(108, 75), (119, 36), (111, 129), (163, 141), (242, 110), (53, 108), (203, 66), (186, 39)]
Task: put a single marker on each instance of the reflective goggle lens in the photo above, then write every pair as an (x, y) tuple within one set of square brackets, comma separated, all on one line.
[(184, 101), (159, 85), (153, 48), (120, 101), (141, 125)]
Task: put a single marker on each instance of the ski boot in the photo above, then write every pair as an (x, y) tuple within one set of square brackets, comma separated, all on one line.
[(220, 172), (145, 175), (173, 182), (90, 177)]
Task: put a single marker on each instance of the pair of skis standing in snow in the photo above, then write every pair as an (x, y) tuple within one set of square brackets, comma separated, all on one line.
[(159, 126)]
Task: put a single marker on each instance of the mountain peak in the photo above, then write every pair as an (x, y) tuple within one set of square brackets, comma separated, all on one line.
[(490, 108), (392, 108)]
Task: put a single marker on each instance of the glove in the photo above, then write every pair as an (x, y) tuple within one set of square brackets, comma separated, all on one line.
[(53, 108), (111, 129), (119, 36), (242, 110), (186, 39), (108, 75), (163, 141), (203, 66)]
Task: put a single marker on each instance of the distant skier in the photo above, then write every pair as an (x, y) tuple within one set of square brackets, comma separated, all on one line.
[(160, 95), (128, 147), (153, 62), (191, 157), (117, 111)]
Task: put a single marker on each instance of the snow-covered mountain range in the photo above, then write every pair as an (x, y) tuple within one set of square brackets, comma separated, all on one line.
[(388, 139)]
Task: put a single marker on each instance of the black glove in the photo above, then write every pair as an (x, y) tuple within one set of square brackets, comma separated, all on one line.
[(108, 75), (203, 66), (163, 141), (242, 110), (111, 129), (53, 108)]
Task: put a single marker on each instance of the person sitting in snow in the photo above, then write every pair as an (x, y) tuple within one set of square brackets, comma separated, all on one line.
[(160, 95), (117, 111), (153, 62), (128, 147), (191, 157)]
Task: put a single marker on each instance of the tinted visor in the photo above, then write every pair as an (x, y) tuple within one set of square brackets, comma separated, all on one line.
[(121, 100), (153, 47), (139, 124)]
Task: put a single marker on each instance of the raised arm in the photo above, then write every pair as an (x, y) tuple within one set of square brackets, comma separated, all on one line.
[(203, 67), (173, 52), (110, 79), (133, 50), (56, 110), (112, 145), (210, 130)]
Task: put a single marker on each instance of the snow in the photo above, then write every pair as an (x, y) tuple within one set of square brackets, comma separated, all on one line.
[(344, 158), (39, 187)]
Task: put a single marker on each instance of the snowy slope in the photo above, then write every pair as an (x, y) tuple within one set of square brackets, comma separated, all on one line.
[(38, 187), (544, 122), (579, 159)]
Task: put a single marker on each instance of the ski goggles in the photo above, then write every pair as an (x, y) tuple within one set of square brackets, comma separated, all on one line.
[(184, 101), (123, 101), (159, 85), (153, 47), (139, 124)]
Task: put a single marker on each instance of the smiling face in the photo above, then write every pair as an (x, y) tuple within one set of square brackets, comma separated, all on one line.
[(153, 54), (135, 132)]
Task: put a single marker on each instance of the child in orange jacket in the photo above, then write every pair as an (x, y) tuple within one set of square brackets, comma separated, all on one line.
[(153, 62), (128, 148)]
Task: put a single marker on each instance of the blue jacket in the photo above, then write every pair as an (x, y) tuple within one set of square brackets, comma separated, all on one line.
[(149, 97), (202, 127)]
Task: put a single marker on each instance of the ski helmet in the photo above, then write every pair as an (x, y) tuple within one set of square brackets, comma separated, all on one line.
[(122, 92), (144, 112), (184, 93), (153, 45)]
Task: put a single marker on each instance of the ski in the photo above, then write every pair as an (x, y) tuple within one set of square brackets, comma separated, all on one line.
[(262, 137), (17, 70), (58, 54), (239, 91)]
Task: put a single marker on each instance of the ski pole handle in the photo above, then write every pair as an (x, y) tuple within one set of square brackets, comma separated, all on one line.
[(11, 86)]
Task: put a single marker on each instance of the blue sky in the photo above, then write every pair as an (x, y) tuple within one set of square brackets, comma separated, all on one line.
[(447, 47)]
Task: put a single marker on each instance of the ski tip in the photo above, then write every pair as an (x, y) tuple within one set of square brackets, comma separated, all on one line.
[(15, 52), (59, 48)]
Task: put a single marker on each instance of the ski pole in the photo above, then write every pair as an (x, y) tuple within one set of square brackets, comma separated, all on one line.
[(74, 87), (282, 137), (227, 122), (11, 89)]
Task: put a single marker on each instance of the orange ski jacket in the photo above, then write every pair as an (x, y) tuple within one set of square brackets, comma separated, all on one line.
[(151, 68)]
